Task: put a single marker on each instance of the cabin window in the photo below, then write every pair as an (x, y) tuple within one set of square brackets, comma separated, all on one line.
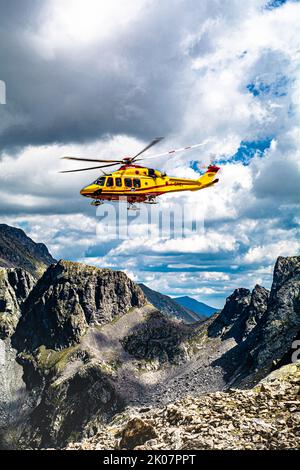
[(151, 172), (110, 182), (128, 182), (136, 182), (118, 182), (100, 181)]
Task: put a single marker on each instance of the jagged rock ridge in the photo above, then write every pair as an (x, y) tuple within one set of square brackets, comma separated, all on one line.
[(242, 312), (263, 324), (68, 298)]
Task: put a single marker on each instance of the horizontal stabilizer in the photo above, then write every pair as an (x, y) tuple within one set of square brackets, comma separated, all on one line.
[(209, 175)]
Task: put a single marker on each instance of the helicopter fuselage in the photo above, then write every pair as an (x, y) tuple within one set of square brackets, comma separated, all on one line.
[(135, 183)]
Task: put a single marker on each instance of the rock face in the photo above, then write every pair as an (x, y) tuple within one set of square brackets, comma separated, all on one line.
[(159, 339), (14, 398), (75, 390), (280, 325), (264, 325), (257, 308), (234, 314), (170, 307), (68, 298), (17, 250), (241, 313), (15, 285), (73, 403), (136, 433)]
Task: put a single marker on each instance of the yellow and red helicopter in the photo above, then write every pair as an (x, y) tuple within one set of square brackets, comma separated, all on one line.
[(135, 184)]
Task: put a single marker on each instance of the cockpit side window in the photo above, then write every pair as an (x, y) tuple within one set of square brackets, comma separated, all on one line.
[(100, 181)]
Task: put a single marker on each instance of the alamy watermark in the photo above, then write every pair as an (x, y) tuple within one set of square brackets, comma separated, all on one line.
[(166, 221), (2, 92), (296, 354)]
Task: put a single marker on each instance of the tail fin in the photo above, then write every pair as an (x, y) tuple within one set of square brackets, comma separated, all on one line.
[(209, 176)]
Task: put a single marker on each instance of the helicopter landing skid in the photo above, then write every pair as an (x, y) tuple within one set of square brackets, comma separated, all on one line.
[(132, 207), (151, 201), (97, 203)]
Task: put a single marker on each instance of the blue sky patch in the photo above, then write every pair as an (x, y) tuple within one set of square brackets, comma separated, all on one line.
[(246, 151), (274, 4), (276, 88)]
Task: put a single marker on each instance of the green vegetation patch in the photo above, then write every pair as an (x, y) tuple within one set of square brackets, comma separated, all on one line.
[(48, 359)]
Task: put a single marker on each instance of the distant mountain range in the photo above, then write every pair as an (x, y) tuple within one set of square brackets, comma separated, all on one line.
[(170, 307), (199, 308)]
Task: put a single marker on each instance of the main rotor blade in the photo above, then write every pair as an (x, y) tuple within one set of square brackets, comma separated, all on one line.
[(90, 168), (90, 160), (153, 142), (176, 150)]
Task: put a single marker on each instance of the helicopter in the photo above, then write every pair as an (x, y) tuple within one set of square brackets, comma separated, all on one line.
[(139, 184)]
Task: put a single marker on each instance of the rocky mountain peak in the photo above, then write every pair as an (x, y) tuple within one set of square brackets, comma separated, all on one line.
[(71, 296), (257, 308), (231, 319), (280, 324), (271, 324), (17, 250), (285, 269)]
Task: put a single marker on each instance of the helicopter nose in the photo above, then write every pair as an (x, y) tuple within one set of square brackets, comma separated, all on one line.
[(84, 191), (88, 190)]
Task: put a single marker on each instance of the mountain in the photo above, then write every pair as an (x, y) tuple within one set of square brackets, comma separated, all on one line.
[(200, 308), (87, 362), (170, 307), (69, 298), (17, 250), (265, 325)]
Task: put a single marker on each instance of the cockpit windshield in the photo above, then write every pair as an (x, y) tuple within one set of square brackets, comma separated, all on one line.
[(100, 181)]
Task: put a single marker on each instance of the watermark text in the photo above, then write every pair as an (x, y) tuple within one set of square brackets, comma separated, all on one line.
[(2, 92)]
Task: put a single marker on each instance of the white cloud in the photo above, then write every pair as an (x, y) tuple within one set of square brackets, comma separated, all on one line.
[(186, 70), (80, 23), (269, 253), (210, 242)]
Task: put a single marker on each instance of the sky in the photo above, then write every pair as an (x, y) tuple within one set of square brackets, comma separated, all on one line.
[(102, 79)]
